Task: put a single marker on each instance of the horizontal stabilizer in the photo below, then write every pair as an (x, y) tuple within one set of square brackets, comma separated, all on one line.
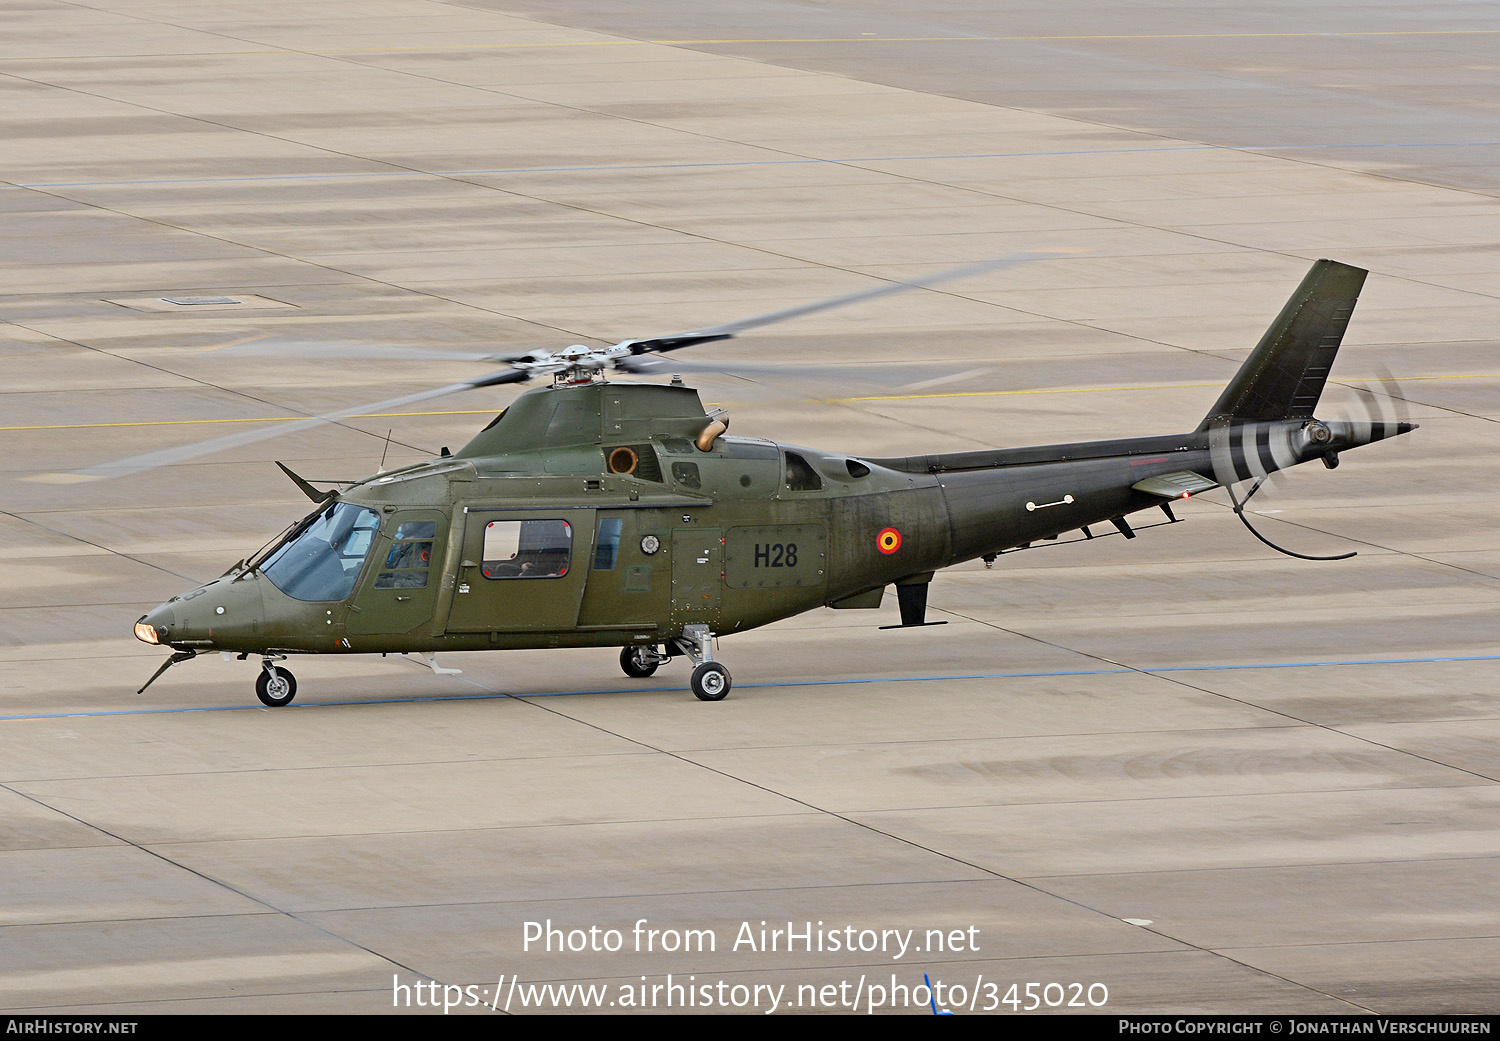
[(1176, 485)]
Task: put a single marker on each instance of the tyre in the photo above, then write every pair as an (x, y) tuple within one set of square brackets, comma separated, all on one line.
[(275, 687), (634, 664), (710, 681)]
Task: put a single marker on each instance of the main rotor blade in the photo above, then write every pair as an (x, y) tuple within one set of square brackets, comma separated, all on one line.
[(834, 379), (183, 453), (274, 347), (729, 329)]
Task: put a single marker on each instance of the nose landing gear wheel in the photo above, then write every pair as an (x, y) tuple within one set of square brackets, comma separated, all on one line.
[(275, 687), (636, 664), (710, 681)]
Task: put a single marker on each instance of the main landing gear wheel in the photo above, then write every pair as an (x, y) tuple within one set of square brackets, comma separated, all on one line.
[(638, 662), (276, 687), (710, 681)]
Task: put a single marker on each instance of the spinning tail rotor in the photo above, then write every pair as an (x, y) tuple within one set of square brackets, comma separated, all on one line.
[(1263, 422)]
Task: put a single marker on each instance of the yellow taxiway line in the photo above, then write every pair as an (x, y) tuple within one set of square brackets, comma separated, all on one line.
[(876, 397)]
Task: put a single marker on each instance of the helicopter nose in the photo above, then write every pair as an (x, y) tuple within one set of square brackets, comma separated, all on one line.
[(156, 625), (222, 614)]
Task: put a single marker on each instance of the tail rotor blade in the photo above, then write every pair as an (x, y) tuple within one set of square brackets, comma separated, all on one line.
[(1379, 413), (1393, 394), (1221, 453)]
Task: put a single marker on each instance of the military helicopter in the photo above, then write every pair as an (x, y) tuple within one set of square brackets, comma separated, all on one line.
[(592, 513)]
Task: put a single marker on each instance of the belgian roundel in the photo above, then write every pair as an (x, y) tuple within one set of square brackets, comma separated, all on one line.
[(888, 541)]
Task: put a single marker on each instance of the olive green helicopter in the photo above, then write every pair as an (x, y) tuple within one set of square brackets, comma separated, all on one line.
[(592, 513)]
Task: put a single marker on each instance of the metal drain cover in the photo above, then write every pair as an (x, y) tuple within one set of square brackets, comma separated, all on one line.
[(198, 301), (194, 302)]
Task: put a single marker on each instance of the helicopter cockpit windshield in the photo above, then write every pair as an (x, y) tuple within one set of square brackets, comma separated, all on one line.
[(322, 560)]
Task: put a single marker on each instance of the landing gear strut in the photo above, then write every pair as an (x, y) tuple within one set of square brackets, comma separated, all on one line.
[(275, 687), (710, 680)]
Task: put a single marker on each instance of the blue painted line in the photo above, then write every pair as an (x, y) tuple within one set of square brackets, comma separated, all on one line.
[(748, 163), (768, 686), (1318, 664), (1368, 144)]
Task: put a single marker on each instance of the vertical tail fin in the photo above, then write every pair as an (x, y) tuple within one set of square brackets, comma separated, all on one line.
[(1284, 376)]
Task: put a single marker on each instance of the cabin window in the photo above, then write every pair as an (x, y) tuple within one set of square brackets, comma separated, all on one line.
[(799, 476), (527, 548), (686, 474), (607, 549)]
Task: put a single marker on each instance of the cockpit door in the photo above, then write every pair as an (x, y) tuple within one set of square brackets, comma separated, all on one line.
[(399, 589)]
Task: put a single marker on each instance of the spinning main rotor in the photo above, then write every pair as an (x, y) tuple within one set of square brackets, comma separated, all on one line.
[(575, 364)]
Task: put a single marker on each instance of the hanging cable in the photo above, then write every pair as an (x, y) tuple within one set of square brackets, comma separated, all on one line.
[(1239, 511)]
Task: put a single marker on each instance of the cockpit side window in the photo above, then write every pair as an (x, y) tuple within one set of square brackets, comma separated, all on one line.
[(410, 556), (322, 561)]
